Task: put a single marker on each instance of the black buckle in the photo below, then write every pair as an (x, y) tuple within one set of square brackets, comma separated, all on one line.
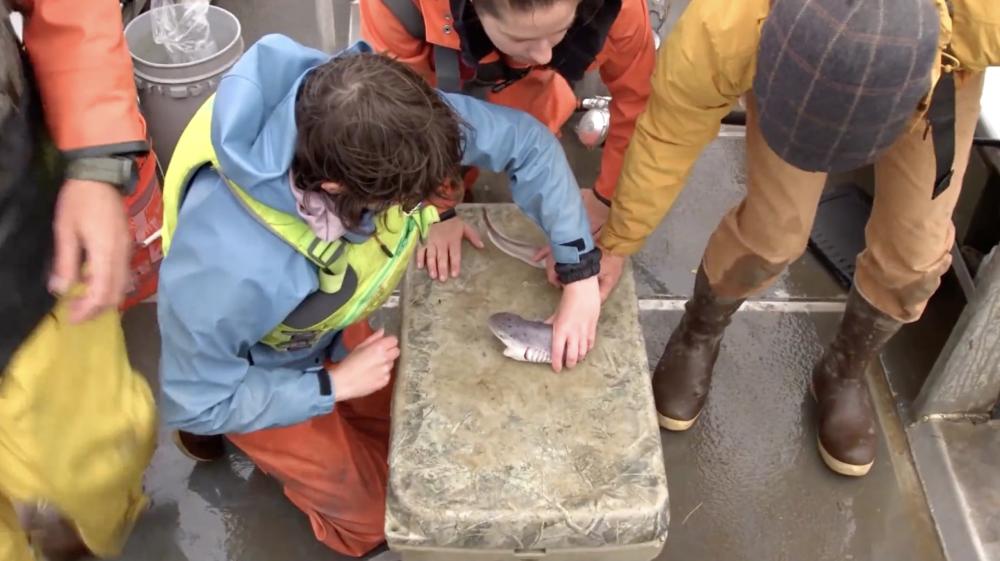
[(298, 341)]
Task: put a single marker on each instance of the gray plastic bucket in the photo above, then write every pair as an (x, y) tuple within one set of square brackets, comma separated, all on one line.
[(171, 93)]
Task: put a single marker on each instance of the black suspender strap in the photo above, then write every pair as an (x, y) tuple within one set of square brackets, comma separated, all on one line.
[(446, 66), (942, 119), (409, 16)]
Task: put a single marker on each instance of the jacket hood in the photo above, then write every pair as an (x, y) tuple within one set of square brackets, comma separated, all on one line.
[(253, 123)]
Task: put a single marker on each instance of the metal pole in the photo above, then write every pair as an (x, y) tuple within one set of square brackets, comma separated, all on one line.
[(338, 24)]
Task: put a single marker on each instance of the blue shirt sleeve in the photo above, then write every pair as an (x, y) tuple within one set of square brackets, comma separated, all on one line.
[(513, 142), (217, 298)]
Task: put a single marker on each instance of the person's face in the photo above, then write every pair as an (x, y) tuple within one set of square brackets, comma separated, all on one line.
[(528, 36)]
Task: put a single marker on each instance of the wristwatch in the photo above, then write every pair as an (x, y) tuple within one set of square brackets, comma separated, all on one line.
[(120, 171)]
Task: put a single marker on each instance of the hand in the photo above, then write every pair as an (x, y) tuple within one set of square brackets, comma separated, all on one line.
[(443, 251), (90, 220), (367, 369), (597, 212), (574, 325), (550, 265), (611, 272)]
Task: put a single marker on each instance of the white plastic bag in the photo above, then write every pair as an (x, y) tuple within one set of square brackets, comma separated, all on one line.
[(181, 26)]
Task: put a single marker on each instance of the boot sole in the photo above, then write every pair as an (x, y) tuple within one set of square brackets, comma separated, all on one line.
[(175, 436), (676, 425), (835, 465), (843, 468)]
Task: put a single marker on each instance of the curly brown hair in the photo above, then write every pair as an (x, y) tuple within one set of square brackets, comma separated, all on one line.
[(375, 127)]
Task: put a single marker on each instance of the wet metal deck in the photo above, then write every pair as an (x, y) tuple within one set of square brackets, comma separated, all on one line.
[(746, 482)]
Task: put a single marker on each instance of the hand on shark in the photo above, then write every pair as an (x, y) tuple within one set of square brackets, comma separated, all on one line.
[(563, 339), (442, 254), (574, 325)]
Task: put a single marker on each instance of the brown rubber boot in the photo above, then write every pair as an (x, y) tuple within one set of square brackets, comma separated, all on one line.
[(846, 425), (200, 448), (684, 372)]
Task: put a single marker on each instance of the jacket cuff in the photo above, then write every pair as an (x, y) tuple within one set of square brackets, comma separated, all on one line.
[(325, 383), (589, 266), (571, 252), (322, 403)]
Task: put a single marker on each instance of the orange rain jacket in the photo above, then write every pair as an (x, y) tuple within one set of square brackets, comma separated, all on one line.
[(84, 74)]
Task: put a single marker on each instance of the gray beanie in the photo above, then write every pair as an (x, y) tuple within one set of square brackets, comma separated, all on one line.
[(837, 80)]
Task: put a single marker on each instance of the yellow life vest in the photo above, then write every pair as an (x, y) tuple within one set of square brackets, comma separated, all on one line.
[(354, 279)]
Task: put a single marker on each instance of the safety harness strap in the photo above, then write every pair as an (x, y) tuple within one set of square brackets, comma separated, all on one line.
[(448, 69), (941, 115), (409, 15)]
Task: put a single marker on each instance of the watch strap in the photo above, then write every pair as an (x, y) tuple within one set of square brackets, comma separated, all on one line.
[(118, 171)]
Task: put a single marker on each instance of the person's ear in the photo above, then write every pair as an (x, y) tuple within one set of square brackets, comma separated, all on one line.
[(332, 187)]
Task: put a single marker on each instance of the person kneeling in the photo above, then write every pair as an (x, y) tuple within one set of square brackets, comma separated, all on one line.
[(293, 204)]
